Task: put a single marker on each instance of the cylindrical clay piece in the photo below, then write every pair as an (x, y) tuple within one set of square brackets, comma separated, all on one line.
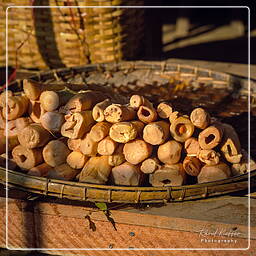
[(169, 152), (164, 110), (22, 122), (209, 156), (40, 170), (244, 166), (147, 114), (181, 129), (137, 100), (136, 151), (192, 146), (214, 172), (174, 115), (51, 100), (12, 129), (52, 121), (96, 170), (12, 142), (3, 97), (16, 107), (84, 101), (118, 157), (27, 158), (127, 174), (88, 146), (107, 146), (192, 165), (76, 160), (32, 89), (118, 113), (210, 137), (2, 120), (35, 111), (150, 165), (230, 144), (99, 131), (34, 136), (123, 132), (55, 153), (156, 133), (168, 175), (63, 172), (74, 144), (77, 125), (98, 110), (200, 118)]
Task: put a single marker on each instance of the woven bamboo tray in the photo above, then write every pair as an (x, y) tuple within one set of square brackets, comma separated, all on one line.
[(222, 94), (59, 37)]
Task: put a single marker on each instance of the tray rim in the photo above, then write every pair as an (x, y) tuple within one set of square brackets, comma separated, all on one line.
[(162, 66)]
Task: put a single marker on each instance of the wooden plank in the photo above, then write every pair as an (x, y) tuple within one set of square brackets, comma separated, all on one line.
[(69, 229), (126, 217)]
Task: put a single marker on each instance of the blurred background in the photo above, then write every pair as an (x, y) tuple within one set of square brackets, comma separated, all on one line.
[(59, 37)]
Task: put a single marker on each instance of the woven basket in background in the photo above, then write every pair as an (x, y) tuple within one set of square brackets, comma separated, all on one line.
[(57, 37)]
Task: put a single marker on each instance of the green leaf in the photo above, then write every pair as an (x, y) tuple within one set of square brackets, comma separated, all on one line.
[(102, 206)]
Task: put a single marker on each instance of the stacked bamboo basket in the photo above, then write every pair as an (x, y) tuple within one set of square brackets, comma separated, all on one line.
[(58, 37), (121, 146)]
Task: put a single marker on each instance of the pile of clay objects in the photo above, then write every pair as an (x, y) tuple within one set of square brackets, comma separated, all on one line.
[(85, 136)]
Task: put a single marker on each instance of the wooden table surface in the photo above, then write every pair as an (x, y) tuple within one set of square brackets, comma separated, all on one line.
[(175, 225)]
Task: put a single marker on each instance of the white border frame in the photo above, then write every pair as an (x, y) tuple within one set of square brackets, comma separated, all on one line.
[(134, 249)]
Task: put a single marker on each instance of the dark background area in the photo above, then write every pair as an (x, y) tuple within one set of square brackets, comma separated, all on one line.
[(212, 34)]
